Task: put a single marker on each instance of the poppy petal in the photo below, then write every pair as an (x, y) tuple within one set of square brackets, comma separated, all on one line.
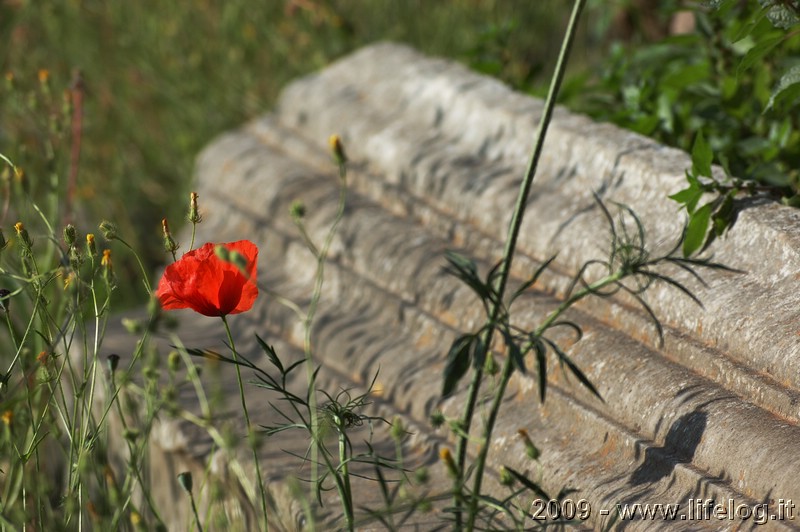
[(202, 281)]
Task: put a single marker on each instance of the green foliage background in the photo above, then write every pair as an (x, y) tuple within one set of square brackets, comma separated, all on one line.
[(727, 92), (163, 78)]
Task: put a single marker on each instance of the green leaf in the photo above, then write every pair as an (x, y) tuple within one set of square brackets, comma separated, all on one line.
[(271, 354), (212, 355), (458, 359), (514, 352), (564, 359), (781, 16), (525, 481), (723, 217), (701, 156), (754, 28), (541, 362), (682, 76), (697, 229), (688, 197), (759, 51), (530, 282), (788, 89), (466, 270), (793, 201), (478, 350)]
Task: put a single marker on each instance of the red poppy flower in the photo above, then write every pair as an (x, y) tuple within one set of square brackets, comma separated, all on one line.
[(207, 284)]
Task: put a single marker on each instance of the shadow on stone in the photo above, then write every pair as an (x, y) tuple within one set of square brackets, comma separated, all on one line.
[(679, 446)]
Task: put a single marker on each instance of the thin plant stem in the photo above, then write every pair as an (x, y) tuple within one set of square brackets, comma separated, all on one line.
[(508, 369), (191, 247), (281, 300), (347, 493), (194, 511), (17, 345), (321, 255), (145, 277), (134, 451), (251, 441), (505, 268)]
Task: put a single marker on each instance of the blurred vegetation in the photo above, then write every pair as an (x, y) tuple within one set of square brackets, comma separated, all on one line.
[(727, 91), (159, 80), (153, 82)]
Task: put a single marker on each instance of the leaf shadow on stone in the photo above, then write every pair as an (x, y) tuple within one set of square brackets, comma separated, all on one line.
[(679, 447)]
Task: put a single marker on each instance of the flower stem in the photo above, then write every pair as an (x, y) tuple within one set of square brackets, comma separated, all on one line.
[(321, 255), (347, 493), (508, 369), (505, 268), (196, 515), (145, 277), (191, 247), (251, 440)]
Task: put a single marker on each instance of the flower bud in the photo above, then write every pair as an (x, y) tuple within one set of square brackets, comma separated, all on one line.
[(70, 235), (297, 210), (337, 149), (74, 258), (397, 431), (169, 243), (113, 362), (3, 242), (530, 449), (22, 234), (91, 247), (447, 458), (109, 230), (506, 479), (185, 480), (133, 326), (108, 266), (194, 212), (174, 361)]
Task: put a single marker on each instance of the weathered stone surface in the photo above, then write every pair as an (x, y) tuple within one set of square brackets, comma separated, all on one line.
[(437, 153)]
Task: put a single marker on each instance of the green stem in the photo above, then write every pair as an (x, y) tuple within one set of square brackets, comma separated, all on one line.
[(508, 369), (196, 515), (145, 277), (321, 256), (191, 247), (508, 256), (136, 454), (250, 439), (347, 493)]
